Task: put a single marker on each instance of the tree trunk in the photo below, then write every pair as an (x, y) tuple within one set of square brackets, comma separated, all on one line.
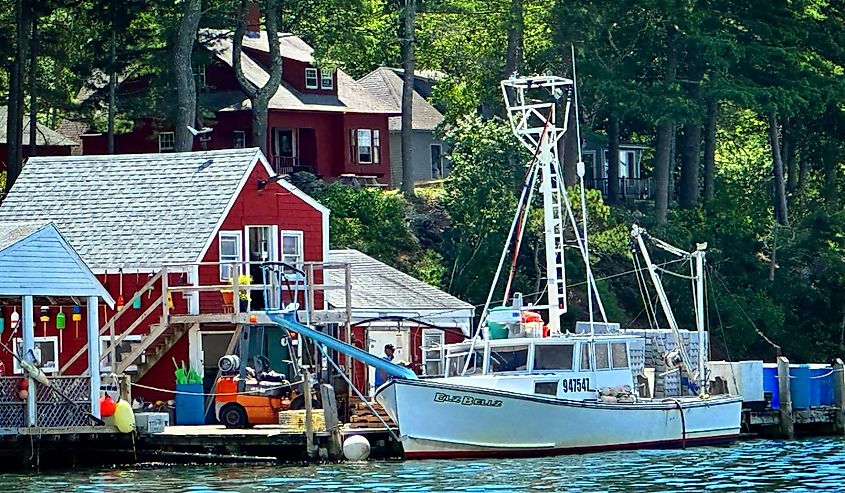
[(259, 96), (409, 14), (665, 135), (710, 150), (186, 89), (33, 80), (803, 170), (781, 213), (690, 161), (516, 26), (14, 124), (613, 194), (789, 158), (112, 93)]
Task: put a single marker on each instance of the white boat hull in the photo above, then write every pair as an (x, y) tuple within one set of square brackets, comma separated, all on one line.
[(440, 420)]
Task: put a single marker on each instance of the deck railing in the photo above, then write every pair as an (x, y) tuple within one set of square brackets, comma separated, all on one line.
[(629, 188)]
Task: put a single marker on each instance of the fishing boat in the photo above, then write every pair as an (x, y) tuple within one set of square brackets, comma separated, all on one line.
[(522, 387)]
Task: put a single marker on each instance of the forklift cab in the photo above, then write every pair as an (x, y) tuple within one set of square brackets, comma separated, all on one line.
[(254, 384)]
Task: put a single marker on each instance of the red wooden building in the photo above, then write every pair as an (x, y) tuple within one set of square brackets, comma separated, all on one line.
[(319, 120), (130, 215)]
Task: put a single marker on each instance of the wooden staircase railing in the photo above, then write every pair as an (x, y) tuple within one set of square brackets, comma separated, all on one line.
[(109, 326)]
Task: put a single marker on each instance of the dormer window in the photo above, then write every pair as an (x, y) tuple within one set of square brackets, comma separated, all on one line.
[(311, 81), (326, 79)]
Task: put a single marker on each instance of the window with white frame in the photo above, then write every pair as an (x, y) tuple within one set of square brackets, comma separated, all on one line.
[(311, 81), (365, 145), (376, 146), (199, 76), (166, 141), (326, 78), (432, 352), (239, 139), (292, 252), (123, 348), (230, 253), (46, 353)]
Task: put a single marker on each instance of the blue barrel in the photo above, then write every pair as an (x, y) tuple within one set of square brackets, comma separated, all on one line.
[(190, 409), (770, 383), (802, 395), (822, 385)]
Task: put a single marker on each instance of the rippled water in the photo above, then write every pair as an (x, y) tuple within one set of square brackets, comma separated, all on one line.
[(759, 465)]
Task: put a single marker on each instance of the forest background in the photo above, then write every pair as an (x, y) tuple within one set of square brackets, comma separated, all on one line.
[(740, 105)]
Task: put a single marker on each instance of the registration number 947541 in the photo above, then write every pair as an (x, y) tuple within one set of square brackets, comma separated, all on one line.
[(575, 384)]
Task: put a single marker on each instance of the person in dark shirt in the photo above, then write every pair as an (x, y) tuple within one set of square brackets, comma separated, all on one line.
[(381, 375)]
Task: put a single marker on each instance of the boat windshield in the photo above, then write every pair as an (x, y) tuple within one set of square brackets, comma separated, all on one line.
[(455, 363), (553, 356), (508, 358)]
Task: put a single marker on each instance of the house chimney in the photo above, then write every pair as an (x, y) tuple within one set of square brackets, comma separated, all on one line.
[(253, 19)]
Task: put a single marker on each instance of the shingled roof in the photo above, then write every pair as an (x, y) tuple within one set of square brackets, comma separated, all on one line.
[(351, 96), (44, 135), (135, 210), (381, 290), (386, 85)]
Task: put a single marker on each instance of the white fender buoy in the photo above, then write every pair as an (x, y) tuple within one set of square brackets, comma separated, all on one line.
[(356, 448)]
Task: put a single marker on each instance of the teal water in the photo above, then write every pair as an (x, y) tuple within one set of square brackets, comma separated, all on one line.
[(760, 465)]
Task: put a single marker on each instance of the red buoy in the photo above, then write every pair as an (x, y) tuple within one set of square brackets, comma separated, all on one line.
[(107, 406)]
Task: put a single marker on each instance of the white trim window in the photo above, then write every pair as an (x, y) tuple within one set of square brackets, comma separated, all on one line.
[(239, 139), (436, 151), (433, 355), (229, 243), (326, 79), (199, 76), (46, 352), (311, 80), (122, 348), (166, 141), (364, 141), (291, 247), (376, 146)]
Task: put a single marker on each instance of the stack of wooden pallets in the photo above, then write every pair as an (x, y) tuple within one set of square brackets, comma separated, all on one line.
[(294, 421), (362, 417)]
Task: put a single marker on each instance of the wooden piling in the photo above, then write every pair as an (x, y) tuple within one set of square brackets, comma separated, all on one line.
[(309, 424), (787, 425), (335, 449), (839, 395)]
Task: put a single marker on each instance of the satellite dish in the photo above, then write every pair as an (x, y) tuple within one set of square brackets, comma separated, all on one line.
[(196, 132)]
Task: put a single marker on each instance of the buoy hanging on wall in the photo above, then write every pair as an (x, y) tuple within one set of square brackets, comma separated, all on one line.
[(2, 322), (137, 303), (45, 317), (120, 291), (15, 319), (61, 323), (76, 316)]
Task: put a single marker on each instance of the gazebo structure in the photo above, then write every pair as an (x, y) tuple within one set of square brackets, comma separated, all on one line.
[(38, 267)]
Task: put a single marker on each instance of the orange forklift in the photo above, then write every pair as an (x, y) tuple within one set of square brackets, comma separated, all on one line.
[(254, 385)]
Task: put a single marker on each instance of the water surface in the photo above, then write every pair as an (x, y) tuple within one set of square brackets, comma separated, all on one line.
[(760, 465)]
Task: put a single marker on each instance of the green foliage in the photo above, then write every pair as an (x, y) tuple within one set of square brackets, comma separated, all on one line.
[(430, 268), (367, 219)]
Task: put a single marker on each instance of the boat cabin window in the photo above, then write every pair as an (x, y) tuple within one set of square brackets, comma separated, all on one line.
[(602, 357), (553, 356), (619, 353), (545, 388), (455, 363), (585, 357), (508, 358)]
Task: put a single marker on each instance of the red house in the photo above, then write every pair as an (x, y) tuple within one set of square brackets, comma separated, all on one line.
[(196, 213), (319, 120)]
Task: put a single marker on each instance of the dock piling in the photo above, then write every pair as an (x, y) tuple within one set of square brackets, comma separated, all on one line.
[(335, 448), (839, 395), (787, 425), (309, 424)]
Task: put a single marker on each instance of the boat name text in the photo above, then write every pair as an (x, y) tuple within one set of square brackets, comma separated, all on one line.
[(466, 400)]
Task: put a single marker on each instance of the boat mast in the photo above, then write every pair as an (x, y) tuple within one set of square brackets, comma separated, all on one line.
[(698, 254), (532, 117)]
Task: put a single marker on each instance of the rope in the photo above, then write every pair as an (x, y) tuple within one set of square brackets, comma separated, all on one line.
[(224, 394), (683, 423)]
